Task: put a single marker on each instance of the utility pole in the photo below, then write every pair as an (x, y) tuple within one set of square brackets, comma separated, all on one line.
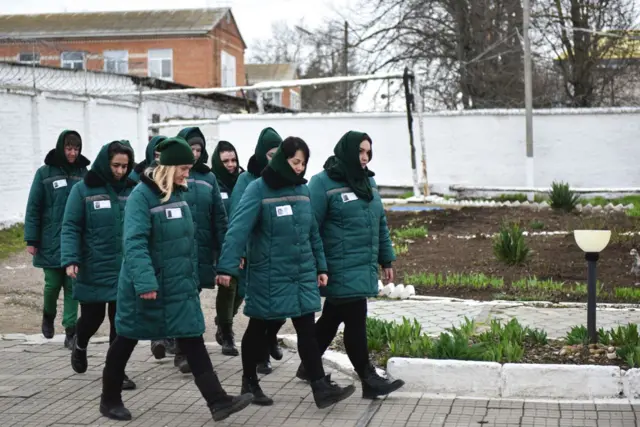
[(528, 95), (345, 60)]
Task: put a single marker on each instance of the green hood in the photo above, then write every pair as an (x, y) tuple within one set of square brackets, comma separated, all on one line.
[(192, 132), (102, 168), (61, 160), (280, 165), (344, 165), (222, 174), (149, 153), (267, 140)]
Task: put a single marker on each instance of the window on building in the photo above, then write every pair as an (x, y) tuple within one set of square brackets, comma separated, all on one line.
[(29, 58), (294, 100), (161, 63), (73, 60), (228, 69), (273, 96), (116, 61)]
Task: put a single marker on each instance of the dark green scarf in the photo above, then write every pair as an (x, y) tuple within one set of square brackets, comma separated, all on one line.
[(282, 168), (227, 178), (344, 165), (191, 134), (101, 167)]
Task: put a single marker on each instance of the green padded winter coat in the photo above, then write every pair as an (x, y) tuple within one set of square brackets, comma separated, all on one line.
[(159, 255), (48, 196), (284, 254), (208, 213), (355, 237), (92, 231)]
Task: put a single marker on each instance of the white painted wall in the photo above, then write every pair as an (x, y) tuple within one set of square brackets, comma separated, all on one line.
[(587, 148)]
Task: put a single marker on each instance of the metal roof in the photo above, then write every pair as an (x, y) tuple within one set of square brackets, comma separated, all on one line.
[(257, 73), (111, 24)]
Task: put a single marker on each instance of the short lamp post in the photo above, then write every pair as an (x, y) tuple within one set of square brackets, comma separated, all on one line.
[(592, 242)]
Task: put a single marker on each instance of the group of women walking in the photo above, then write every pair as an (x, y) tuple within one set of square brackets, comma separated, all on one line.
[(139, 243)]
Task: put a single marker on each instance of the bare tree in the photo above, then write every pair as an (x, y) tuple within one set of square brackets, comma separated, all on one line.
[(592, 45)]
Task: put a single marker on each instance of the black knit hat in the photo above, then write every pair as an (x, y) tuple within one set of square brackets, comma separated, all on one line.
[(175, 151)]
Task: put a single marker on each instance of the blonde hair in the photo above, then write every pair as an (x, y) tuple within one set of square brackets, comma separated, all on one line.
[(163, 177)]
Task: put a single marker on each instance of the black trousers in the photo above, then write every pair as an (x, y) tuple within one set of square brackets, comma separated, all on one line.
[(121, 349), (255, 340), (272, 329), (91, 318), (354, 316)]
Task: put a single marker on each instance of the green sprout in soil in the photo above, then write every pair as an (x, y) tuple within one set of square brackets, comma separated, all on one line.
[(509, 245), (410, 233)]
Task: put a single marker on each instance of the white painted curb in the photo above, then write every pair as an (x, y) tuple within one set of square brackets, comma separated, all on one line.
[(515, 380)]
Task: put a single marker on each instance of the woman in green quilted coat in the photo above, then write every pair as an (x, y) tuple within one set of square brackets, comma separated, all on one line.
[(356, 240), (285, 266), (91, 244), (268, 142), (225, 166), (158, 285), (64, 167), (151, 156)]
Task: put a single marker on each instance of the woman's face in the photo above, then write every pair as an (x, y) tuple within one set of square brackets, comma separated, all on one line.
[(197, 151), (270, 153), (119, 165), (365, 153), (229, 160), (298, 163), (181, 175)]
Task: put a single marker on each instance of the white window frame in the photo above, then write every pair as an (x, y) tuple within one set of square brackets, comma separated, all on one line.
[(119, 58), (35, 54), (64, 63), (270, 96), (227, 69), (294, 100), (160, 55)]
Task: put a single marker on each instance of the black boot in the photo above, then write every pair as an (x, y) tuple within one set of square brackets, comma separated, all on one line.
[(68, 339), (275, 350), (159, 349), (115, 411), (252, 385), (373, 385), (218, 334), (264, 367), (78, 357), (219, 402), (301, 373), (170, 345), (180, 362), (327, 393), (228, 343), (47, 325), (128, 384)]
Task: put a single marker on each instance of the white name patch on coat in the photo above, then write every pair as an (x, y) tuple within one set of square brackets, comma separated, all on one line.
[(349, 197), (102, 204), (224, 196), (60, 183), (174, 213), (284, 210)]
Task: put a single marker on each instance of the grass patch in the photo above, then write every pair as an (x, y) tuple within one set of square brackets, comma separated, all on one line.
[(434, 281), (11, 240), (406, 195), (410, 233), (603, 201)]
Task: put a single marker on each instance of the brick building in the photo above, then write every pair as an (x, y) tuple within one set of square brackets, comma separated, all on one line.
[(193, 47), (282, 97)]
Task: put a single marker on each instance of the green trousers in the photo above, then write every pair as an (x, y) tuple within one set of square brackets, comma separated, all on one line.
[(227, 303), (56, 279)]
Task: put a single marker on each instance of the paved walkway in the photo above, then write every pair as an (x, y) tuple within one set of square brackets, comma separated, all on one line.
[(39, 389), (437, 315)]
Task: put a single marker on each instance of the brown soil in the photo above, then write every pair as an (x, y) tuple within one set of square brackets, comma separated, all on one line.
[(552, 257)]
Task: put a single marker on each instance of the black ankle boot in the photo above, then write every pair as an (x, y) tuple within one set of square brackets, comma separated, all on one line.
[(128, 384), (301, 373), (252, 385), (327, 393), (373, 385), (228, 343), (264, 367), (114, 411), (159, 349), (219, 402), (275, 350), (78, 357), (180, 362), (219, 334), (47, 325), (68, 339)]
